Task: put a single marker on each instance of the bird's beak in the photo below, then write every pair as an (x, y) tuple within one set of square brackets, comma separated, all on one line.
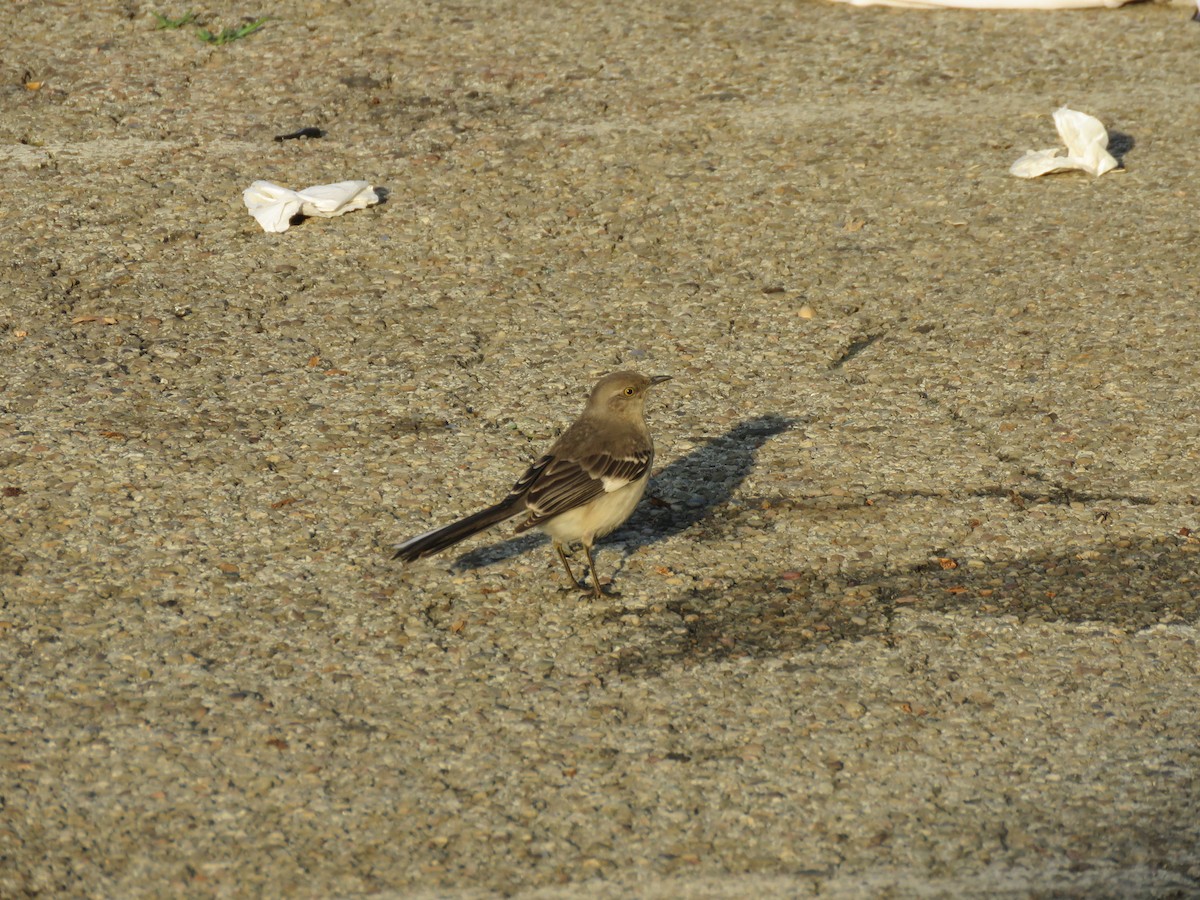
[(658, 379)]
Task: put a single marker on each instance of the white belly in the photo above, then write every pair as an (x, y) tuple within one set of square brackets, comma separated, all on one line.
[(597, 518)]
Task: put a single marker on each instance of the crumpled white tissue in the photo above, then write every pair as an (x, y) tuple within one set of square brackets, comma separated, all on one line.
[(1087, 143), (274, 206)]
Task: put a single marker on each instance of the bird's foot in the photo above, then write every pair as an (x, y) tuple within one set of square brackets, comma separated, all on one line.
[(600, 589)]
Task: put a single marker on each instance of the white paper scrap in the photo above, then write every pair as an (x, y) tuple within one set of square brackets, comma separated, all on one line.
[(274, 206), (1087, 148)]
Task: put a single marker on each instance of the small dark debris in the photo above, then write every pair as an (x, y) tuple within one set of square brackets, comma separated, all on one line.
[(302, 133)]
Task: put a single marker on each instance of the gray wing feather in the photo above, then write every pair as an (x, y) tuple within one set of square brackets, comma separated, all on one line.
[(560, 485)]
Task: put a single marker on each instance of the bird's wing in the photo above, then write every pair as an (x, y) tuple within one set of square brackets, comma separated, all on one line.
[(554, 485)]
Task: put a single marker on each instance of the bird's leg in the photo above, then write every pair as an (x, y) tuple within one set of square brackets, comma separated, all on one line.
[(587, 548), (566, 565)]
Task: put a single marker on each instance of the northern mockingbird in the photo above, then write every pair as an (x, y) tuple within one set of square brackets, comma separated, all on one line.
[(584, 487)]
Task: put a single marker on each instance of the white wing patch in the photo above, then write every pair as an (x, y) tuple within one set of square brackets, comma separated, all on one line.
[(612, 483)]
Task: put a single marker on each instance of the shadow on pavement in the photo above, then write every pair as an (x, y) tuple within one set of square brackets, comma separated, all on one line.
[(689, 489), (1152, 580)]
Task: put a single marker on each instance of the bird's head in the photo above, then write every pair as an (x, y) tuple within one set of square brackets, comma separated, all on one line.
[(623, 392)]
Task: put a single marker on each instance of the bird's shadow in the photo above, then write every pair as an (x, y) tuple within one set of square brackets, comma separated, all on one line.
[(682, 494)]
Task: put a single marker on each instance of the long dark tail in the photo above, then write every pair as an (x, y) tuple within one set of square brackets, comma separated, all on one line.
[(439, 539)]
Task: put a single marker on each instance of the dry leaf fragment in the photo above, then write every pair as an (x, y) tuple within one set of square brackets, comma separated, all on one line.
[(84, 320)]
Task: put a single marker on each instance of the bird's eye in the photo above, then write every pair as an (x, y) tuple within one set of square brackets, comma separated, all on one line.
[(629, 392)]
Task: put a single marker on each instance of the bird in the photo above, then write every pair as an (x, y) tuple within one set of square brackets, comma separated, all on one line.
[(586, 485)]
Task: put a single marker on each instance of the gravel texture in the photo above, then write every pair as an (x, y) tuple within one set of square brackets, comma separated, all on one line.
[(912, 606)]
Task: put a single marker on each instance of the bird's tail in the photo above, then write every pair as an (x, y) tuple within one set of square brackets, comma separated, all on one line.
[(439, 539)]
